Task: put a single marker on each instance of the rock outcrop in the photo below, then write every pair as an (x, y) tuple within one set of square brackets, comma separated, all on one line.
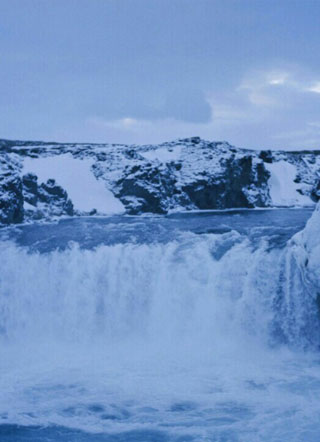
[(11, 197), (186, 174), (45, 200)]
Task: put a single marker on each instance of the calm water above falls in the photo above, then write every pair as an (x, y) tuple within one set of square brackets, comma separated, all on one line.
[(191, 327)]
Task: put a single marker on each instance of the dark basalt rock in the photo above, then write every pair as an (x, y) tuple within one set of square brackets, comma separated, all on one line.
[(11, 198), (146, 189), (266, 156), (205, 195), (51, 191), (185, 174), (242, 175), (152, 188), (30, 181), (193, 140), (49, 198), (56, 197), (315, 193), (11, 203), (232, 187), (30, 188)]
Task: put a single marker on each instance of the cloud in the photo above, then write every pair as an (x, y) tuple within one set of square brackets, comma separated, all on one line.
[(141, 131), (270, 87), (315, 88), (263, 88), (268, 108), (180, 103), (277, 78)]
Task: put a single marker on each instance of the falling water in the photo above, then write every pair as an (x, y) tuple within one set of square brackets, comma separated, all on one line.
[(196, 334)]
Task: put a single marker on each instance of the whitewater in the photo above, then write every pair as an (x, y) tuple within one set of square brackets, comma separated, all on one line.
[(188, 327)]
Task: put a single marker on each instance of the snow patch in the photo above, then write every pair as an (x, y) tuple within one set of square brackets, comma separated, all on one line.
[(283, 189), (164, 155), (27, 206), (75, 176)]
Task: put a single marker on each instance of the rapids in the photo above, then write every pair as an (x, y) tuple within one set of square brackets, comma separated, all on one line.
[(188, 327)]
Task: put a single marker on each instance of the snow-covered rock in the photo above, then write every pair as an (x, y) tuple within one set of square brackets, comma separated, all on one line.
[(297, 300), (46, 200), (185, 174), (11, 198), (307, 244)]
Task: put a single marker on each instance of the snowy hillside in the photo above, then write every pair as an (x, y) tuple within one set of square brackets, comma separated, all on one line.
[(46, 180)]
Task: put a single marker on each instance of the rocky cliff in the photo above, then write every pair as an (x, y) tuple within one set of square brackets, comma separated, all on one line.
[(41, 180)]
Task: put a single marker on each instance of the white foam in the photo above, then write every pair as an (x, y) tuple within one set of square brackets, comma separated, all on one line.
[(164, 336), (143, 331)]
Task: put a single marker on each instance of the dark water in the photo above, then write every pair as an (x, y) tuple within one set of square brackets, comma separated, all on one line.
[(14, 433), (277, 226)]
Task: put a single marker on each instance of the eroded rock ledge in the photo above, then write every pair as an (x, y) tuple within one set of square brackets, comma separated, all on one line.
[(186, 174)]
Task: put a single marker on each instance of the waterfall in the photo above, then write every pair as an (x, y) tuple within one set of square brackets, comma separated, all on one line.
[(166, 335), (198, 287)]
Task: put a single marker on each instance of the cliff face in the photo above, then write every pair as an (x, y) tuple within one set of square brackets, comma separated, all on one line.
[(11, 193), (44, 180)]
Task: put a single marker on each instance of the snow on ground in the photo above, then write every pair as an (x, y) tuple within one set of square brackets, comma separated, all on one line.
[(163, 154), (283, 189), (75, 176)]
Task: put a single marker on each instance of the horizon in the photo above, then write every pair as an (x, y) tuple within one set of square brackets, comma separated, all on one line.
[(176, 140)]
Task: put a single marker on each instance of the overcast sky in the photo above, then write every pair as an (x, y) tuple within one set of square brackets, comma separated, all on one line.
[(145, 71)]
